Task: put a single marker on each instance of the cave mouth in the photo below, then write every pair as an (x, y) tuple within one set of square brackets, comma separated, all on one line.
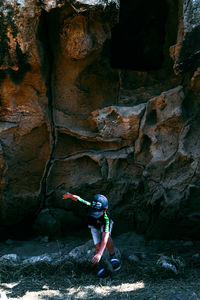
[(146, 30)]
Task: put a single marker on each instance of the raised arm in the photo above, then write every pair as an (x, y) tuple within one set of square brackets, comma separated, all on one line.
[(76, 198)]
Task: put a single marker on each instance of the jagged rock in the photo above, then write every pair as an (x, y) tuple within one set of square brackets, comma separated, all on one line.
[(10, 258), (133, 258), (47, 225), (74, 118), (171, 264), (84, 253), (26, 133), (118, 122), (186, 53), (51, 258), (161, 126), (68, 221), (48, 258)]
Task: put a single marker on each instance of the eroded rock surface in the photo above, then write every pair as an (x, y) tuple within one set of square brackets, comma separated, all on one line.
[(186, 51), (73, 121)]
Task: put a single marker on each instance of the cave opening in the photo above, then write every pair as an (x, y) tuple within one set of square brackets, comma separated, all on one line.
[(146, 30)]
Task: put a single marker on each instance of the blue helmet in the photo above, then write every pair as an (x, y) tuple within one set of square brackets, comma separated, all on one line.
[(100, 202), (98, 205)]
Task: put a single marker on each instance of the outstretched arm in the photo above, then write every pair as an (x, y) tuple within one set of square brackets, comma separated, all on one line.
[(75, 198), (71, 196)]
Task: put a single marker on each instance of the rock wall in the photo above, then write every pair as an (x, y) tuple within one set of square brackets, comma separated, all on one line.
[(75, 117)]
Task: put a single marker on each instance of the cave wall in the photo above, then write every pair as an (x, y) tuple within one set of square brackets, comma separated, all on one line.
[(25, 126), (98, 98)]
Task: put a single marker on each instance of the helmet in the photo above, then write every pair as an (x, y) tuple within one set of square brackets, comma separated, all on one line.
[(100, 202), (98, 205)]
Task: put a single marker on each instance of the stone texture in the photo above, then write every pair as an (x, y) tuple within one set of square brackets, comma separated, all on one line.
[(118, 122), (69, 121), (28, 126), (25, 125), (186, 52), (84, 253), (161, 125)]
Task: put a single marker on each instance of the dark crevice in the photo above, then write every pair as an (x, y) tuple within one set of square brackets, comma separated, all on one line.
[(47, 56), (141, 39), (152, 118), (138, 39)]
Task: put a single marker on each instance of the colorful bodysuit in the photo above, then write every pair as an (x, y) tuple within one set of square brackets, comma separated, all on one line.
[(97, 225)]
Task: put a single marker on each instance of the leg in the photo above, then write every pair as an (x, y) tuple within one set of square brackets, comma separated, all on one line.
[(110, 246), (115, 262), (96, 235)]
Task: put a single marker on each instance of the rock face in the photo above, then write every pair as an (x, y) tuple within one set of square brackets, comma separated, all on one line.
[(186, 51), (75, 117)]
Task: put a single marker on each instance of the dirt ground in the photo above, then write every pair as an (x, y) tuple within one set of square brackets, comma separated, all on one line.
[(140, 277)]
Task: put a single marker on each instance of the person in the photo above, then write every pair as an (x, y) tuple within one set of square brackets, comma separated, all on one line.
[(100, 224)]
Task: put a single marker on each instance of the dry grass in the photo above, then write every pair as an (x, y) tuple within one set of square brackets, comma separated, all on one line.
[(142, 280), (69, 281)]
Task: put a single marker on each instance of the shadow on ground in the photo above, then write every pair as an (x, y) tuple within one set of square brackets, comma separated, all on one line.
[(139, 280)]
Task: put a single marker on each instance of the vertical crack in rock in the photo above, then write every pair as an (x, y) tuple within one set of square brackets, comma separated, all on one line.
[(119, 87), (48, 57)]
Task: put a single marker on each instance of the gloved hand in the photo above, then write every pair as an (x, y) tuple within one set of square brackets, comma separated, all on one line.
[(68, 195)]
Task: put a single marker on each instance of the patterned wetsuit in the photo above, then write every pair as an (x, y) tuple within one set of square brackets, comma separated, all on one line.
[(102, 223)]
